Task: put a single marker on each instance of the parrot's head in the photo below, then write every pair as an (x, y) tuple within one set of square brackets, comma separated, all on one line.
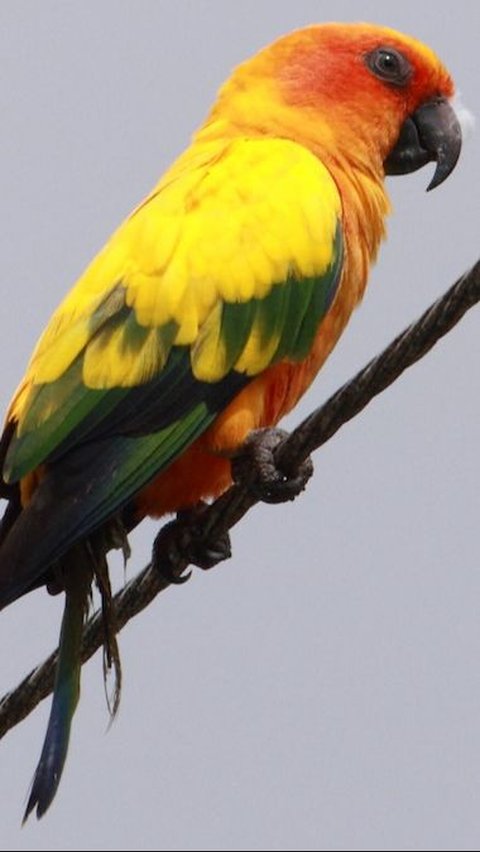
[(358, 94)]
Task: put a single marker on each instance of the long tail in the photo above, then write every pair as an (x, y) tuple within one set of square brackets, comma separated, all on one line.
[(78, 579)]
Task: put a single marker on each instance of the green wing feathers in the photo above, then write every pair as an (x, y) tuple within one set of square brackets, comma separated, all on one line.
[(218, 275)]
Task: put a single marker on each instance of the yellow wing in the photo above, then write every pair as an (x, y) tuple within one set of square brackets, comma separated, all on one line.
[(224, 225), (227, 267), (223, 262)]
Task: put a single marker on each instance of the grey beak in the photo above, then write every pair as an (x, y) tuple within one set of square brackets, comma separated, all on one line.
[(432, 133)]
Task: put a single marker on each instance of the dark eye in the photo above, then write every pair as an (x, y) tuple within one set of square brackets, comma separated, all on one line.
[(389, 65)]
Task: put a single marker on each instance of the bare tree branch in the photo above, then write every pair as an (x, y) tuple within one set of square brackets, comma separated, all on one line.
[(225, 512)]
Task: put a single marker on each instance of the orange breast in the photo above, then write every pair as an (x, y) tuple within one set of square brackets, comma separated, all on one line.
[(203, 471)]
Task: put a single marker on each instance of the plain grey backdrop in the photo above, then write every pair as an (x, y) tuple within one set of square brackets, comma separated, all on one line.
[(322, 689)]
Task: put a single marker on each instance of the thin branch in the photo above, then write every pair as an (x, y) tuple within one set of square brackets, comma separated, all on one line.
[(225, 512)]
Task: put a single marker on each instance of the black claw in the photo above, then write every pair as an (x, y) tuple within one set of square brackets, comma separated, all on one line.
[(255, 466), (206, 556), (178, 579), (182, 540), (166, 553)]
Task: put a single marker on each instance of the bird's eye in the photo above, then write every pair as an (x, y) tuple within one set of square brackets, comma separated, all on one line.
[(389, 65)]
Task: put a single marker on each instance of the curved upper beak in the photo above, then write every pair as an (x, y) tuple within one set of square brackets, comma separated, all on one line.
[(433, 132)]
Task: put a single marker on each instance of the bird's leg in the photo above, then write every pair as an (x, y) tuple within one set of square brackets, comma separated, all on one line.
[(183, 540), (254, 466)]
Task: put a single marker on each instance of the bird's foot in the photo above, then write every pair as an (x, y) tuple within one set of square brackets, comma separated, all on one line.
[(254, 466), (184, 541)]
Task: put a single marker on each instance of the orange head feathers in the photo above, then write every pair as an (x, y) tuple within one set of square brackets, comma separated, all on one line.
[(343, 90)]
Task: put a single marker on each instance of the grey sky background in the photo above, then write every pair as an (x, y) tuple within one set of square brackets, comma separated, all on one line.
[(322, 689)]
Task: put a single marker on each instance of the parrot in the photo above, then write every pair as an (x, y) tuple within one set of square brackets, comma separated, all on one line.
[(207, 315)]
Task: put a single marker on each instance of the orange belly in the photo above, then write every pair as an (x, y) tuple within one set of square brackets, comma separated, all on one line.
[(203, 471)]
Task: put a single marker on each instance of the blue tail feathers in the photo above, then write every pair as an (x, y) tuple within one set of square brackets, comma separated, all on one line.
[(67, 685)]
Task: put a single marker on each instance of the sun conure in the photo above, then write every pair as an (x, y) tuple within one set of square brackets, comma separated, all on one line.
[(210, 310)]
